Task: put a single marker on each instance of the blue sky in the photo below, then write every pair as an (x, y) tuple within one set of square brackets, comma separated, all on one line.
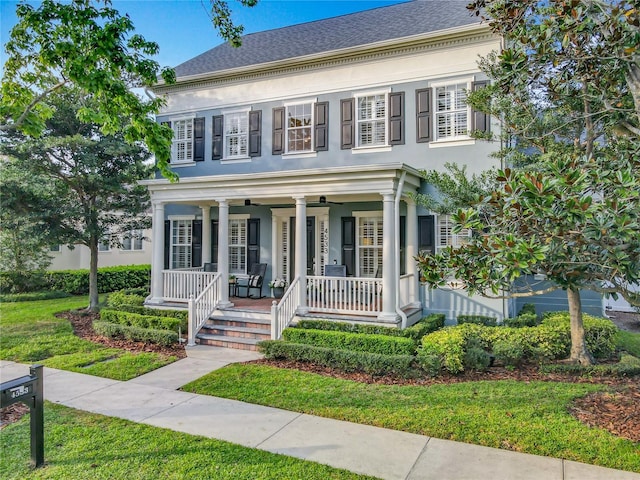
[(182, 27)]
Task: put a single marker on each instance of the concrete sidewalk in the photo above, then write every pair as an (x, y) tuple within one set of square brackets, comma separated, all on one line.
[(153, 399)]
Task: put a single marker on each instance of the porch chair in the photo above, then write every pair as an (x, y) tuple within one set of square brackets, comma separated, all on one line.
[(253, 281), (210, 267)]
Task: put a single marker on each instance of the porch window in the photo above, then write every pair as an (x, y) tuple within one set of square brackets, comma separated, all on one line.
[(452, 113), (237, 245), (236, 135), (371, 115), (132, 240), (300, 128), (369, 246), (182, 141), (181, 234), (446, 237)]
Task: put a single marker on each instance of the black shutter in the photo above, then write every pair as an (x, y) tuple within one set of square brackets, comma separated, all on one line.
[(322, 126), (403, 245), (196, 243), (168, 124), (396, 118), (348, 239), (253, 242), (218, 127), (167, 243), (347, 123), (277, 141), (198, 139), (426, 234), (255, 133), (481, 121), (214, 241), (423, 115)]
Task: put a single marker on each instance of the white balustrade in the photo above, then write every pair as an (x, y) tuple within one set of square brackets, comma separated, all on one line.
[(181, 285), (282, 313), (345, 295), (405, 289), (201, 307)]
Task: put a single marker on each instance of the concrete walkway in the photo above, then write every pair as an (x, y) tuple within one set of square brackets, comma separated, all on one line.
[(153, 399)]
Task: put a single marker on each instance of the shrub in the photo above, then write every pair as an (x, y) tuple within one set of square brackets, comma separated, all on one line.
[(182, 315), (509, 352), (22, 282), (148, 335), (522, 320), (600, 333), (528, 309), (475, 358), (449, 344), (478, 319), (428, 324), (431, 364), (140, 321), (628, 366), (120, 298), (33, 296), (345, 360), (360, 342)]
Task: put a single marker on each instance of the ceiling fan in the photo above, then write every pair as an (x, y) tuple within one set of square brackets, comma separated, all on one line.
[(249, 203), (323, 201)]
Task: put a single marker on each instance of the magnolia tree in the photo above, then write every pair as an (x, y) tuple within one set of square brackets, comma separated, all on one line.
[(566, 89)]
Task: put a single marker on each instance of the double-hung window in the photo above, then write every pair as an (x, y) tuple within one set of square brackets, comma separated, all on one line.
[(181, 236), (237, 245), (453, 116), (369, 245), (446, 237), (236, 134), (182, 141), (371, 120), (299, 126), (132, 240)]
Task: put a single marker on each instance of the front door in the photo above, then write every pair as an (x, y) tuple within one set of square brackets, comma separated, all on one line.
[(311, 245)]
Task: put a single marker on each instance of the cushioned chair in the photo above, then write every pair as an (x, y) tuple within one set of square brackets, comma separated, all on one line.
[(210, 267), (253, 281)]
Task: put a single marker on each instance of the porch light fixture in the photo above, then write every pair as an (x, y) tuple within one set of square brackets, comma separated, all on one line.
[(247, 202), (322, 199)]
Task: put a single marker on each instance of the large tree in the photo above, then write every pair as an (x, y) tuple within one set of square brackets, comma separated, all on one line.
[(566, 88), (94, 176)]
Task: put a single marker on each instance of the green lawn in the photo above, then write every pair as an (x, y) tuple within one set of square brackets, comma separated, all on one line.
[(81, 445), (629, 342), (31, 333), (521, 416)]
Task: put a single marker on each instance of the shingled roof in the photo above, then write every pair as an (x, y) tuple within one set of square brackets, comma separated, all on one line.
[(356, 29)]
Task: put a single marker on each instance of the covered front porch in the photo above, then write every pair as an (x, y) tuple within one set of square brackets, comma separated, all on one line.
[(319, 220)]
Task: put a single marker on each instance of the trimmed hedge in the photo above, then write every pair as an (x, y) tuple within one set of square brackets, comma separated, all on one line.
[(140, 321), (121, 297), (522, 320), (359, 342), (147, 335), (628, 366), (599, 333), (182, 315), (345, 360), (33, 296), (479, 319), (76, 282)]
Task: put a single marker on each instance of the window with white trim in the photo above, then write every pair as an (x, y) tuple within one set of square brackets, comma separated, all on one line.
[(181, 235), (237, 245), (369, 245), (453, 116), (132, 240), (182, 141), (236, 135), (54, 248), (446, 237), (371, 118), (299, 128)]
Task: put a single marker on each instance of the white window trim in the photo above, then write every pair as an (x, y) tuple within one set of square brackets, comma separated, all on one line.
[(455, 140), (234, 158), (358, 95), (181, 217), (312, 127), (244, 218), (359, 216), (174, 151), (133, 240), (453, 239), (172, 219)]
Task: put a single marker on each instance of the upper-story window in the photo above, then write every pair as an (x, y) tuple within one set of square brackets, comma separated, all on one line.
[(132, 240), (453, 116), (371, 120), (236, 135), (299, 128), (182, 141)]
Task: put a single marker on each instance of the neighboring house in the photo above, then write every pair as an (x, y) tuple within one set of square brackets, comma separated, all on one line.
[(302, 149), (134, 249)]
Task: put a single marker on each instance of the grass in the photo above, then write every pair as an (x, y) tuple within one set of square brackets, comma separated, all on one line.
[(31, 333), (629, 342), (529, 417), (81, 445)]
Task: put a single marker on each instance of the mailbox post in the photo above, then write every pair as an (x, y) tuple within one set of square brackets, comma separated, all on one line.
[(28, 390)]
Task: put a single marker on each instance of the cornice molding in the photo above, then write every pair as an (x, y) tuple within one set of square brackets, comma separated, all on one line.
[(332, 59)]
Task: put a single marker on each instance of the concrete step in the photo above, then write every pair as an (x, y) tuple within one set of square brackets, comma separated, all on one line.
[(236, 331), (227, 341), (229, 321)]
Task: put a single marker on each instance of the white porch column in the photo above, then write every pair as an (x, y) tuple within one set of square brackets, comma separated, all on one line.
[(206, 234), (157, 259), (223, 251), (412, 251), (388, 252), (275, 248), (301, 251)]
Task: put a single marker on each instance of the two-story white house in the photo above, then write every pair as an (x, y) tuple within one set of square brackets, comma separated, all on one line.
[(301, 150)]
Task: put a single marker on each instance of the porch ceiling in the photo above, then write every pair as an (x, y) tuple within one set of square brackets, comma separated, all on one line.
[(343, 184)]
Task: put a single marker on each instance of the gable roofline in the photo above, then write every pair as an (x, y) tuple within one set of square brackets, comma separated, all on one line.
[(466, 32)]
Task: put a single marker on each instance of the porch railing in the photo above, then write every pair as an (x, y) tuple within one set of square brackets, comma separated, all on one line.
[(201, 307), (406, 289), (346, 295), (282, 313), (180, 285)]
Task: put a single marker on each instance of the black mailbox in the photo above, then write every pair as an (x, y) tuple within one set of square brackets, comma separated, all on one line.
[(28, 390)]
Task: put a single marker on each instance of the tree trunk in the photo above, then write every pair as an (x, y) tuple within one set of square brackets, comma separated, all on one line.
[(93, 276), (579, 352)]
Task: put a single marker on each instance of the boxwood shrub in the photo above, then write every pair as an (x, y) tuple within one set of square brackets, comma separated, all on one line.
[(122, 297), (628, 366), (479, 319), (130, 332), (140, 321), (345, 360), (359, 342), (599, 333), (33, 296)]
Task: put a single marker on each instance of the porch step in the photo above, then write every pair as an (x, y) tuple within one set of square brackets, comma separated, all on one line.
[(228, 342), (235, 329)]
